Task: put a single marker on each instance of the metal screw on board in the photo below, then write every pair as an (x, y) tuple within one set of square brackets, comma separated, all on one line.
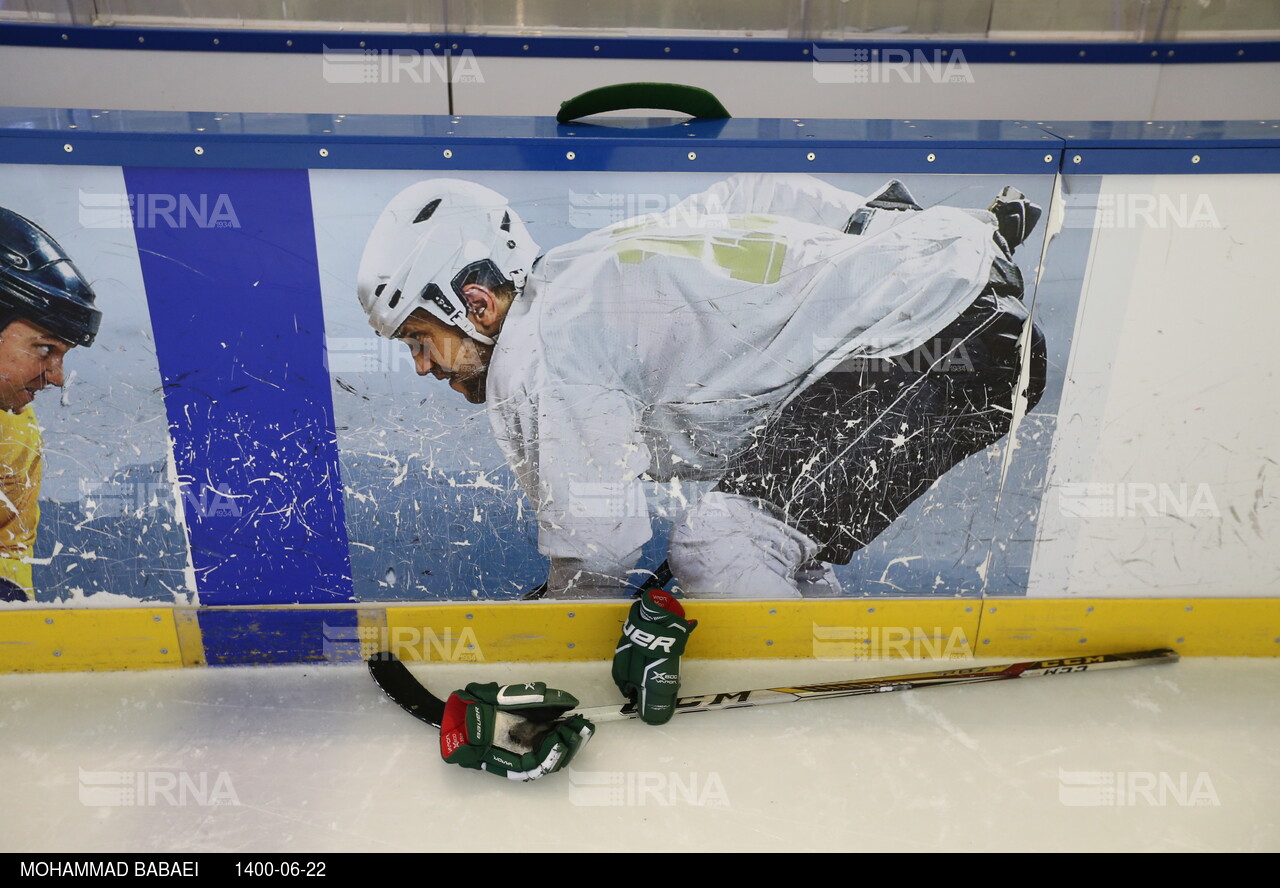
[(324, 152), (1195, 159), (1076, 159), (1048, 158), (570, 155), (199, 150), (931, 158), (67, 148), (811, 156), (693, 156), (448, 153)]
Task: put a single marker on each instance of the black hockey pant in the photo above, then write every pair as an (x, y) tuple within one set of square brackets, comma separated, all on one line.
[(845, 458)]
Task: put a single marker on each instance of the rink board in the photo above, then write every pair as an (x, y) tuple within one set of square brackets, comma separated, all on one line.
[(57, 640), (239, 454)]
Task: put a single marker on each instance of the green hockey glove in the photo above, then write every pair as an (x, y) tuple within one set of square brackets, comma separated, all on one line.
[(515, 731), (646, 664)]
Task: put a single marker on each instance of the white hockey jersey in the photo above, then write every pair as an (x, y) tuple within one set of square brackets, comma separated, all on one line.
[(651, 348)]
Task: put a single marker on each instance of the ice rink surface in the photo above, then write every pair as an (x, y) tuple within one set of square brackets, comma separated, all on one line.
[(1179, 757)]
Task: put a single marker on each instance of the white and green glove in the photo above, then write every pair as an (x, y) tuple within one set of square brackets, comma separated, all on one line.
[(515, 731), (646, 664)]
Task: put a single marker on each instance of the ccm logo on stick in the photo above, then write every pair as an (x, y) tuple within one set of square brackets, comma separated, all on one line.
[(648, 639)]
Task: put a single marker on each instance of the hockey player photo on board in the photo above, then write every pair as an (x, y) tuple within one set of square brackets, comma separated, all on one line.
[(87, 511), (757, 386), (46, 309)]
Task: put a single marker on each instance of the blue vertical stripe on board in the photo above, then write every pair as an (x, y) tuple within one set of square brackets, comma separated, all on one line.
[(229, 263), (250, 637)]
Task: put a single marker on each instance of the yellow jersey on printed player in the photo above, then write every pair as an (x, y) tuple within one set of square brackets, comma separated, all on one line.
[(20, 475)]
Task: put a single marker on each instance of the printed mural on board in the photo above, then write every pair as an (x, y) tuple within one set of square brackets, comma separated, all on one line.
[(88, 510), (771, 385)]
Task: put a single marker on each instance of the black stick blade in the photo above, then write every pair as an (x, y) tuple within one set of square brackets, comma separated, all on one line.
[(409, 694)]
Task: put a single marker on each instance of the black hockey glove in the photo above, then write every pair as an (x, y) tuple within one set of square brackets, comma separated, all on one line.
[(1015, 218)]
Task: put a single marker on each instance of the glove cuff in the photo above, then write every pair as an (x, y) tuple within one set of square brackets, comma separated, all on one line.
[(657, 624), (466, 723)]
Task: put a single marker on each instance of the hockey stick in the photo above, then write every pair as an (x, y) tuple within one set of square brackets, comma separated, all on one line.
[(399, 684)]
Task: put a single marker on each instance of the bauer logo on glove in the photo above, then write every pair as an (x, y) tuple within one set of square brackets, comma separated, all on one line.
[(646, 664), (516, 731)]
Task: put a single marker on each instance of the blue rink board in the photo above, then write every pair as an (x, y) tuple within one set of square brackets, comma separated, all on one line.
[(237, 315), (729, 49)]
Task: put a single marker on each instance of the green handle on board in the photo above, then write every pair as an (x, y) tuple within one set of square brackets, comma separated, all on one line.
[(690, 100)]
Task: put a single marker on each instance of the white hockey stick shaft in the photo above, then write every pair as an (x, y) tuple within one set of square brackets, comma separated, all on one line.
[(857, 687)]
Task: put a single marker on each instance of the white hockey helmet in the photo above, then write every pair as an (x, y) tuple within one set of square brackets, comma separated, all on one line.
[(433, 239)]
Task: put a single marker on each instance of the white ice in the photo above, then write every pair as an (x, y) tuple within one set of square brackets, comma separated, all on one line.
[(1178, 757)]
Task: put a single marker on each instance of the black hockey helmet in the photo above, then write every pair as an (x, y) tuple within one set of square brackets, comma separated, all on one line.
[(38, 282)]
